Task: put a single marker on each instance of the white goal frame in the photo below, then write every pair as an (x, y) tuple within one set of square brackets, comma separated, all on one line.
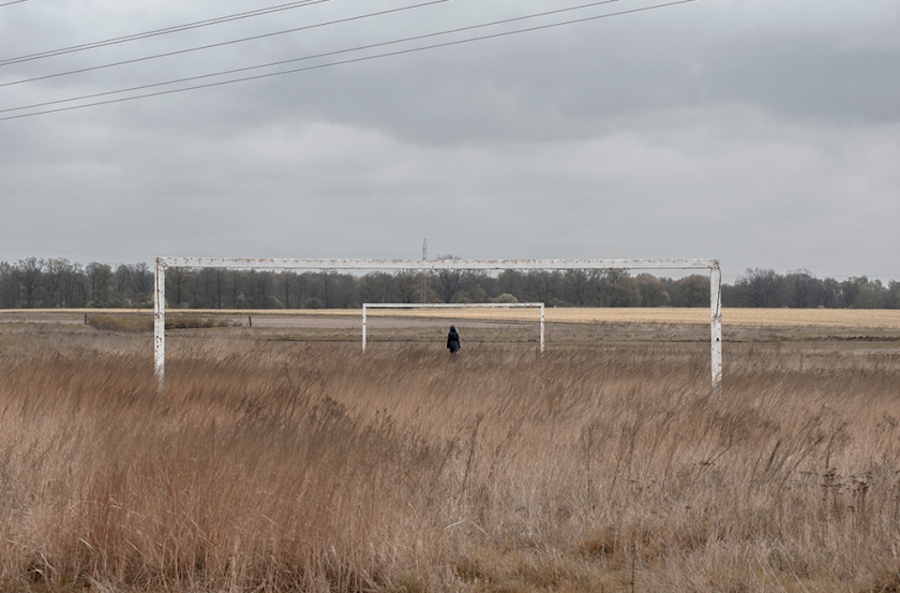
[(715, 283), (450, 306)]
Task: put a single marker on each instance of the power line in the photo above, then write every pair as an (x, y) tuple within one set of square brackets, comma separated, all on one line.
[(224, 43), (305, 58), (322, 66), (156, 32), (13, 2)]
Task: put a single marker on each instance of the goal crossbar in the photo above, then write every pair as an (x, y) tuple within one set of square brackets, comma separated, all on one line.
[(367, 306), (273, 263), (715, 283)]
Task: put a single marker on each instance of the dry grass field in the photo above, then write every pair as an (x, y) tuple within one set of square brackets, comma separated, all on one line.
[(732, 317), (502, 326), (278, 463)]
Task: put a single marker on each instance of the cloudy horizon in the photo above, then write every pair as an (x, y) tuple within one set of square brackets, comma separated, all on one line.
[(762, 134)]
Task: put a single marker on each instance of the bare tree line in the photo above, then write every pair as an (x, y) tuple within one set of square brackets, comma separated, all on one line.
[(59, 283), (800, 289)]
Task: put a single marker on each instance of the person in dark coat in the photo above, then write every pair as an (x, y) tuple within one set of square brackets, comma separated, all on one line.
[(453, 341)]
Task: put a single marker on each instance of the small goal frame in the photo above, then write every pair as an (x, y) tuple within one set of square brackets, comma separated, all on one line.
[(715, 283), (450, 306)]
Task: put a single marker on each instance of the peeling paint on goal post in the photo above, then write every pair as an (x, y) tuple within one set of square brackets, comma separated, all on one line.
[(159, 323), (715, 283)]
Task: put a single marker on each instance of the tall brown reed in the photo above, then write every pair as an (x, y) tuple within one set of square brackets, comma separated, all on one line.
[(282, 466)]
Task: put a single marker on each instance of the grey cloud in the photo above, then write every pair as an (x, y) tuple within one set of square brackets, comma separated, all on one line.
[(722, 129)]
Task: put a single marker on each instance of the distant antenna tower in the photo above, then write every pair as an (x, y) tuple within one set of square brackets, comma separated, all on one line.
[(424, 257)]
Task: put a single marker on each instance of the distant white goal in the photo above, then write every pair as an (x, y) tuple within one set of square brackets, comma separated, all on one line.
[(367, 306)]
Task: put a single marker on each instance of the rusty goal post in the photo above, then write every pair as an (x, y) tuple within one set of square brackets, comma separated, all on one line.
[(429, 265)]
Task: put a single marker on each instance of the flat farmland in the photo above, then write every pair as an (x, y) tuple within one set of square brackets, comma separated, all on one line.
[(738, 317), (279, 457), (562, 325), (735, 317)]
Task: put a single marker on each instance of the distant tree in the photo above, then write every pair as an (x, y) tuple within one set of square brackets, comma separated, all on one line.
[(831, 293), (121, 285), (75, 289), (287, 287), (259, 285), (691, 291), (447, 282), (177, 282), (871, 295), (540, 286), (804, 291), (581, 286), (893, 295), (326, 280), (345, 292), (504, 298), (850, 291), (510, 282), (100, 279), (732, 296), (618, 289), (313, 303), (653, 291), (480, 278), (410, 285), (56, 271), (379, 287), (209, 289), (761, 287), (9, 297), (300, 288), (475, 294), (308, 287), (28, 275), (231, 286), (888, 300), (141, 284)]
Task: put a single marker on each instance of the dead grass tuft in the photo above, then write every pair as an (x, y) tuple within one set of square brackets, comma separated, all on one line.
[(281, 466), (138, 322)]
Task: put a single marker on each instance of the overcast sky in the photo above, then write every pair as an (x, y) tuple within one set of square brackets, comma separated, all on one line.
[(764, 133)]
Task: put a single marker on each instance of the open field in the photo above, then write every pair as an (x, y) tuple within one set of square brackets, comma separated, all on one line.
[(876, 328), (276, 462), (733, 317)]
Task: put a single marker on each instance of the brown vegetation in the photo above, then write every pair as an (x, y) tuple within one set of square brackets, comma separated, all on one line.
[(136, 322), (731, 316), (288, 466)]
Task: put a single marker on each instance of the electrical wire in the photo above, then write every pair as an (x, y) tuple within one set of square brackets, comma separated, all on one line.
[(223, 43), (157, 32), (321, 66), (13, 2), (306, 58)]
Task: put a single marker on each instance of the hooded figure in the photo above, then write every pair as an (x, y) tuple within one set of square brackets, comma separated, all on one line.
[(453, 341)]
